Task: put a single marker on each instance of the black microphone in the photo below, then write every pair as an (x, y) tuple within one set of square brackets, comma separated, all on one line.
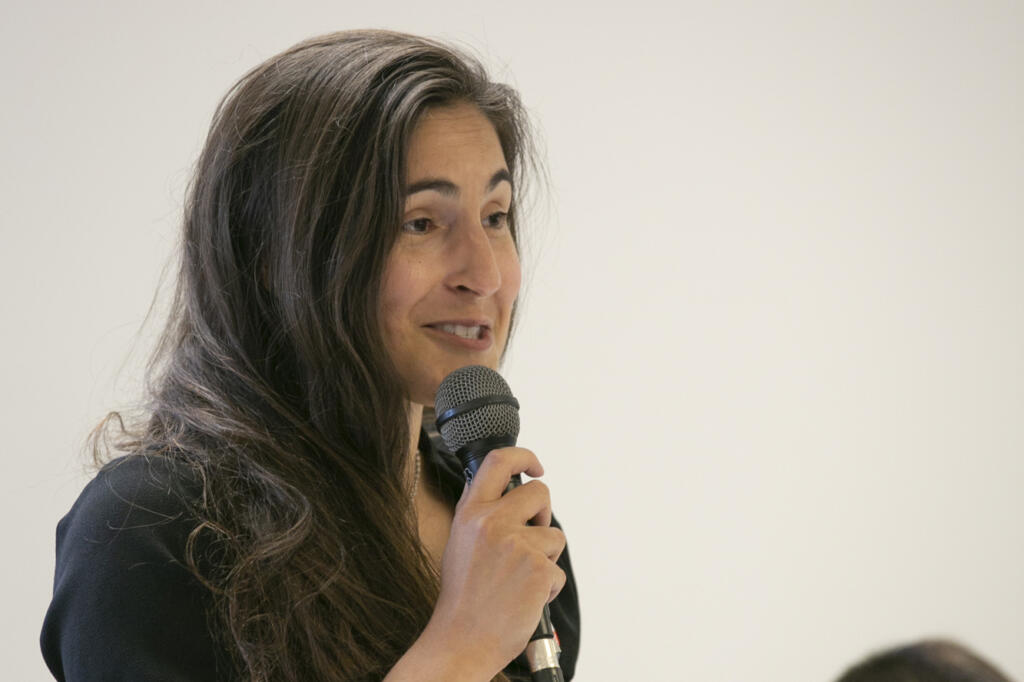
[(476, 413)]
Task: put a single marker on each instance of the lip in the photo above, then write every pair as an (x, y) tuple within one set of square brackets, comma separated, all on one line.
[(484, 342)]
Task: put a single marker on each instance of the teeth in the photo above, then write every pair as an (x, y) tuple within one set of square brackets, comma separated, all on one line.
[(459, 330)]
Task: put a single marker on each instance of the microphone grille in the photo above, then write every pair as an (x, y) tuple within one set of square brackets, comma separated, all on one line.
[(466, 384)]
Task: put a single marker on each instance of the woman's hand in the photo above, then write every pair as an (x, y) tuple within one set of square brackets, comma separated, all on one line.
[(497, 572)]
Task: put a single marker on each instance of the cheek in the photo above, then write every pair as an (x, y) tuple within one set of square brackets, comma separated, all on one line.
[(511, 278), (394, 295)]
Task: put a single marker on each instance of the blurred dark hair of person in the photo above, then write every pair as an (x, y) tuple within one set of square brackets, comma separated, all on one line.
[(934, 660)]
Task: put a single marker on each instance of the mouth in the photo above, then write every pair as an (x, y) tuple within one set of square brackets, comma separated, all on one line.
[(470, 334), (475, 331)]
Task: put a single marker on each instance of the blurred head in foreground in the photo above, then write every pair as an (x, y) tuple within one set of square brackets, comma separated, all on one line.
[(926, 661)]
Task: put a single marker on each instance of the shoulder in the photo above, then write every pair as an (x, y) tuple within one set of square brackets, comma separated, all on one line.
[(125, 601), (137, 510), (135, 491)]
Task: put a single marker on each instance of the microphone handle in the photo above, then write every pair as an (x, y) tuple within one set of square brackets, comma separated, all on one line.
[(542, 650)]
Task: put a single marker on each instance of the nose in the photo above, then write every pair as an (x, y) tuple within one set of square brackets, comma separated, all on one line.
[(474, 265)]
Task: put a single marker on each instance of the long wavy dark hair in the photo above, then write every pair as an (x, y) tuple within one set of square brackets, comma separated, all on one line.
[(271, 380)]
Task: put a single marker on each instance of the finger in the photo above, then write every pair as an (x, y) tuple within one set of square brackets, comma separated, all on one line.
[(497, 470), (557, 585), (550, 541), (529, 503)]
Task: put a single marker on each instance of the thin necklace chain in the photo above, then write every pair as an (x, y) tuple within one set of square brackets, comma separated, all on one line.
[(416, 478)]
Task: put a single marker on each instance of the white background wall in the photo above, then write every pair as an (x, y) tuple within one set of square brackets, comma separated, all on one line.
[(772, 353)]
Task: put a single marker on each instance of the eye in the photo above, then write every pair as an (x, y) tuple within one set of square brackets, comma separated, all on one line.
[(418, 226), (497, 220)]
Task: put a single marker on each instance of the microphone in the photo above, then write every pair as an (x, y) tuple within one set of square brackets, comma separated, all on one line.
[(476, 413)]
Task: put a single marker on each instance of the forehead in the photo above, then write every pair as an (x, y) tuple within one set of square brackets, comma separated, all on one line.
[(454, 139)]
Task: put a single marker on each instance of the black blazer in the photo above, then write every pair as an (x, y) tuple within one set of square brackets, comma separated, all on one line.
[(125, 605)]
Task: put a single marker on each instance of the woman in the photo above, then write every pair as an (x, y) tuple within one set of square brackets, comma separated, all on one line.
[(350, 238)]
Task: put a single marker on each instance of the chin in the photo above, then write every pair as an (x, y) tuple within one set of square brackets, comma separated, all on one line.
[(425, 390)]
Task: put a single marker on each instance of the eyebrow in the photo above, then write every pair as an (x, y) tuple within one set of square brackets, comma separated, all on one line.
[(449, 188)]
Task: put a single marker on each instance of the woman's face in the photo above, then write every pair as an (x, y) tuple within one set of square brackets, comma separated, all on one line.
[(453, 274)]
